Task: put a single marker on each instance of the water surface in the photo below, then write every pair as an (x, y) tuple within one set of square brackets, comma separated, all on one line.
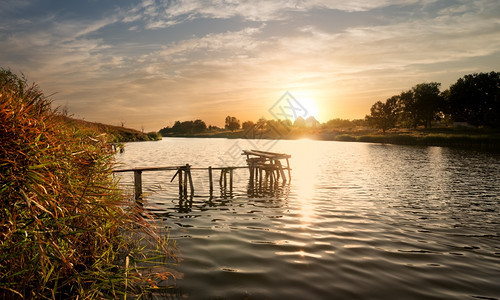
[(357, 221)]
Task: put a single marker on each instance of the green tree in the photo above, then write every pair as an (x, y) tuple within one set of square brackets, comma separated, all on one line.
[(247, 125), (384, 115), (475, 99), (199, 126), (427, 102), (420, 105), (408, 116), (232, 123)]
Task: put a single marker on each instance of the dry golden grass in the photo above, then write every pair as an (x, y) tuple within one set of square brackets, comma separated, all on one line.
[(65, 229)]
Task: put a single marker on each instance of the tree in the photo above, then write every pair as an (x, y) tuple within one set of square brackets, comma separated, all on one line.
[(196, 126), (312, 122), (384, 115), (232, 123), (427, 102), (247, 125), (299, 122), (420, 105), (408, 116), (475, 99), (199, 126)]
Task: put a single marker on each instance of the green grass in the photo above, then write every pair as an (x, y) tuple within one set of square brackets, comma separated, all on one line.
[(65, 228), (116, 134)]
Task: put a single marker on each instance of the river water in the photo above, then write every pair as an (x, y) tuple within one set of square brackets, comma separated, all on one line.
[(357, 221)]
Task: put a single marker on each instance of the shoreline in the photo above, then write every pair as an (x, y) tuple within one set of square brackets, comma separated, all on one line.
[(477, 139)]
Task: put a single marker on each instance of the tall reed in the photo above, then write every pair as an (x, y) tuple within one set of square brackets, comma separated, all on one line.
[(65, 229)]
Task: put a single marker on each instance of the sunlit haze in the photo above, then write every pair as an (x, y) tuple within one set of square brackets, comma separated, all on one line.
[(149, 63)]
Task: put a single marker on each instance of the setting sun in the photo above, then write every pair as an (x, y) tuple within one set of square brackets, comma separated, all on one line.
[(309, 101), (311, 106)]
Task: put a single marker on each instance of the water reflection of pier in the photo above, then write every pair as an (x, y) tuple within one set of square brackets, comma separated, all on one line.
[(266, 173)]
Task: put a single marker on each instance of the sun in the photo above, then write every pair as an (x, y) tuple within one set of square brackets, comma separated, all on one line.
[(310, 105)]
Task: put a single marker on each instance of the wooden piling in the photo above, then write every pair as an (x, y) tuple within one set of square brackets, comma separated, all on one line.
[(185, 181), (179, 170), (280, 169), (288, 168), (191, 186), (231, 179), (138, 185), (225, 178), (211, 184)]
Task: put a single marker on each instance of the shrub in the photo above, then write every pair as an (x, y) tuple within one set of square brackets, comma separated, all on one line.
[(62, 221)]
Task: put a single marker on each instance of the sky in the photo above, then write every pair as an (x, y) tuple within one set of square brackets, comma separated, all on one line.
[(146, 64)]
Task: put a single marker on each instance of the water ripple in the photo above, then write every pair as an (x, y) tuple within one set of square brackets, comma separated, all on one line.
[(358, 221)]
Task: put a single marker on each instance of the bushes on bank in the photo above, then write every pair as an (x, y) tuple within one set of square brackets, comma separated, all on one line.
[(62, 221)]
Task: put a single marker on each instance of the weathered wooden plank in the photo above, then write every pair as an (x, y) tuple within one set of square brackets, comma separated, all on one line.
[(169, 168), (270, 155)]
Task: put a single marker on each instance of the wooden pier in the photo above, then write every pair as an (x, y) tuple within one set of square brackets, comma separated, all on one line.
[(268, 164), (264, 167)]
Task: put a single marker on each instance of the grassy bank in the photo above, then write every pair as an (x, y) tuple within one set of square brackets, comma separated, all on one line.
[(446, 137), (117, 134), (66, 231)]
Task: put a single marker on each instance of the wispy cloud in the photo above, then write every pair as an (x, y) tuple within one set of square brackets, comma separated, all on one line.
[(162, 14), (124, 65)]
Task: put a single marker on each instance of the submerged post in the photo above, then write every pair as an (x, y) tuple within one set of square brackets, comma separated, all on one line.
[(179, 171), (185, 180), (191, 186), (138, 185), (211, 184), (225, 178), (231, 179), (288, 167)]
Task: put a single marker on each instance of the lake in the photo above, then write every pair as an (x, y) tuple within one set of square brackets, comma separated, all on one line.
[(357, 221)]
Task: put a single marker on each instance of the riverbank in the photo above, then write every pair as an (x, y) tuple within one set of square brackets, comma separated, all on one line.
[(118, 134), (66, 230), (445, 137)]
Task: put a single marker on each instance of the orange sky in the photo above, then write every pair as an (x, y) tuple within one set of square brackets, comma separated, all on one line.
[(149, 63)]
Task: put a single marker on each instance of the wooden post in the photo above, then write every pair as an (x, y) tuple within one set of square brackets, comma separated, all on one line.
[(191, 186), (180, 181), (138, 185), (289, 173), (185, 181), (280, 169), (231, 179), (252, 171), (225, 178), (211, 184)]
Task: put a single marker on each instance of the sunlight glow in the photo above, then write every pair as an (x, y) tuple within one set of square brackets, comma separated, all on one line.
[(309, 99), (304, 172), (310, 105)]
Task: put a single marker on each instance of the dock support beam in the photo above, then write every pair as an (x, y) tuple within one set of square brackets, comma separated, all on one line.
[(210, 180), (138, 185), (191, 186)]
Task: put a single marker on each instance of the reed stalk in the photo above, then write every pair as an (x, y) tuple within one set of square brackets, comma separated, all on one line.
[(65, 227)]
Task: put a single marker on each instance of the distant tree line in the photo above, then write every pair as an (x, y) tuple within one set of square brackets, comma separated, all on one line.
[(473, 99), (186, 127)]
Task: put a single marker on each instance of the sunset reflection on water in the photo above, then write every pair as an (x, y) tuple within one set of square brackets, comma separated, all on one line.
[(357, 220)]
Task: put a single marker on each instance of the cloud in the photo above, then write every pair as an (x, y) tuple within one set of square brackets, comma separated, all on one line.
[(151, 81), (163, 14)]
